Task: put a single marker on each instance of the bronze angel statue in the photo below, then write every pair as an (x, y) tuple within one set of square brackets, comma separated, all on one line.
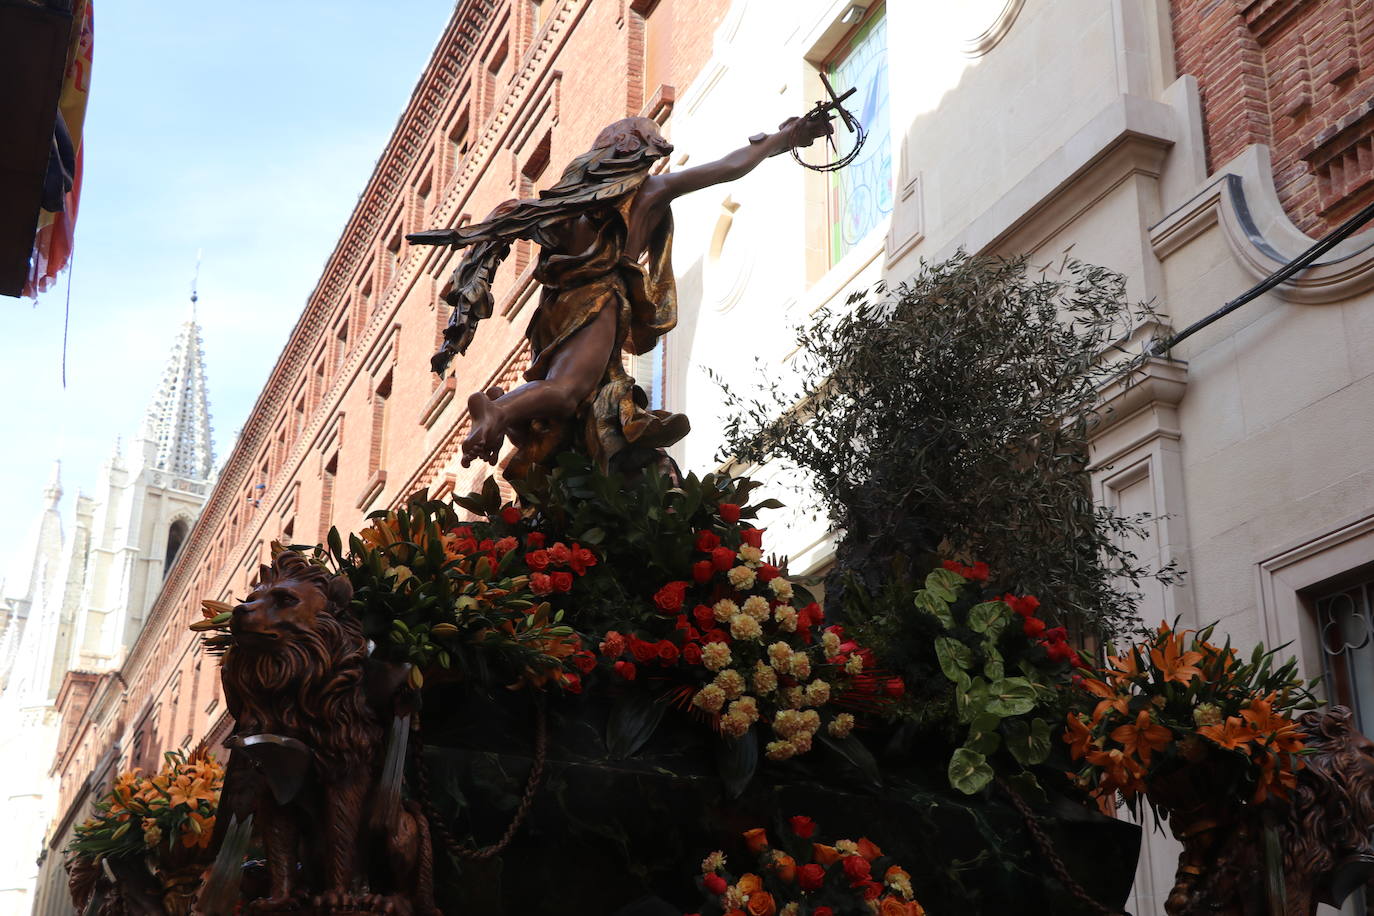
[(605, 232)]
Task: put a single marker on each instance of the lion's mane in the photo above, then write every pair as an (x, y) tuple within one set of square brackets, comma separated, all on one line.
[(311, 685), (1333, 803)]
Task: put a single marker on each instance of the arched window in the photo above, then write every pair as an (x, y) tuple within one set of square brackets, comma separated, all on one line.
[(176, 536)]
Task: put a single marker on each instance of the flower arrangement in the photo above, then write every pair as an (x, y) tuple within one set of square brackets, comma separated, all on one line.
[(804, 877), (476, 599), (748, 653), (1008, 668), (170, 814), (1175, 702)]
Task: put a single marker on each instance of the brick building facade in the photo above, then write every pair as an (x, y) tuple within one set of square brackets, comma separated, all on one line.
[(1297, 76), (351, 419)]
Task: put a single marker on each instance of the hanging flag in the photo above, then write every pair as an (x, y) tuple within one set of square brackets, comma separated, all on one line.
[(52, 245)]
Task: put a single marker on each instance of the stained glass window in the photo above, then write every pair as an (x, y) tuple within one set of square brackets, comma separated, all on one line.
[(860, 195)]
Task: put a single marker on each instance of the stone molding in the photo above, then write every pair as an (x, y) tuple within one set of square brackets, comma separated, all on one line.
[(1131, 136), (1282, 577), (1137, 438), (1136, 408), (988, 39), (1242, 200)]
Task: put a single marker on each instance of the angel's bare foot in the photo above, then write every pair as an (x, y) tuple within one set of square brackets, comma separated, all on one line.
[(488, 429)]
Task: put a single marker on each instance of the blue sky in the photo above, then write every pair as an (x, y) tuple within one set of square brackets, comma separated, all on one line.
[(245, 129)]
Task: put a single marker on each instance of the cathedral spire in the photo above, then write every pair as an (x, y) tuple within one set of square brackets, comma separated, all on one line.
[(178, 421), (53, 492)]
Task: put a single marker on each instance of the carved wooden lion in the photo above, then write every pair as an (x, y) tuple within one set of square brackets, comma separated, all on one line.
[(295, 682)]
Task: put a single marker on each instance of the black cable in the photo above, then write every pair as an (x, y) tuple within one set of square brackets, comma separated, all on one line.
[(1301, 262)]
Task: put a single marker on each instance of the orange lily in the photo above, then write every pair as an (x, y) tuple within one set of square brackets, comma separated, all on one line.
[(1231, 734), (1142, 738), (1125, 667), (1175, 664), (1077, 736)]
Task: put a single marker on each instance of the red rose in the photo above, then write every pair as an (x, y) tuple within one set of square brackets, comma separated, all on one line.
[(1058, 651), (811, 877), (570, 681), (642, 651), (506, 545), (560, 554), (979, 572), (802, 826), (837, 629), (537, 560), (822, 911), (729, 512), (953, 566), (1033, 626), (562, 581), (1056, 634), (715, 634), (715, 883), (722, 558), (626, 670), (704, 616), (667, 652), (894, 687), (669, 598), (510, 515), (583, 661), (702, 571), (535, 540), (752, 536), (813, 614), (487, 544), (870, 890), (857, 870), (582, 560), (706, 541), (541, 584), (691, 654), (767, 572)]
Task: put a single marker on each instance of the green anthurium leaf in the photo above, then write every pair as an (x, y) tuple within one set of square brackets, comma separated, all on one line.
[(969, 771), (633, 721), (955, 657), (944, 584), (993, 669), (982, 734), (855, 752), (1029, 742), (937, 607), (970, 697), (736, 760), (1011, 696), (989, 617)]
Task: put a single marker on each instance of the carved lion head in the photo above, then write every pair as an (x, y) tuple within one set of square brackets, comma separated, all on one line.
[(1332, 810), (288, 601), (297, 661)]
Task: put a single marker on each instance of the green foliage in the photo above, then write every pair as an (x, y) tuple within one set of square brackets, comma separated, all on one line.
[(951, 416), (644, 524)]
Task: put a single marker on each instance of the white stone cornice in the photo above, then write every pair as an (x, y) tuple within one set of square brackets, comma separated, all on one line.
[(1242, 200), (1137, 406)]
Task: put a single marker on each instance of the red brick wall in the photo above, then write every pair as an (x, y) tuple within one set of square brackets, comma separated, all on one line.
[(1297, 75), (565, 80)]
